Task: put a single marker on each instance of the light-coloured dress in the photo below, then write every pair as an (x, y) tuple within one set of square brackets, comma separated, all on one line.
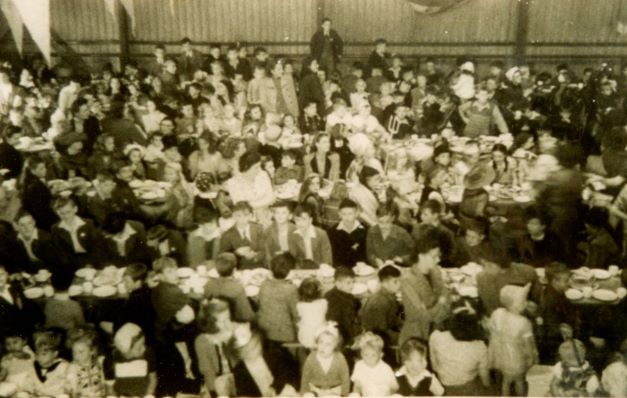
[(312, 316), (512, 347)]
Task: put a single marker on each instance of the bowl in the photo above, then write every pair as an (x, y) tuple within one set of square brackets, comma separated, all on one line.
[(184, 272), (86, 273), (574, 294), (468, 291), (604, 295), (34, 293)]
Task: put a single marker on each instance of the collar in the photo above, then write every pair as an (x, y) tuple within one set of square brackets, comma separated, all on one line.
[(77, 222), (127, 232), (243, 231), (34, 237), (403, 372), (342, 227), (310, 233)]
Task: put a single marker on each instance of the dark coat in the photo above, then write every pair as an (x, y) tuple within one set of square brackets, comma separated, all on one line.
[(135, 247), (310, 90), (43, 248), (37, 199), (90, 239), (317, 43)]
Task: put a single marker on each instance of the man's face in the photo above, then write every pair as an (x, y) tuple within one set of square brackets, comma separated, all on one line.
[(67, 212), (381, 47), (281, 215), (159, 53), (170, 67), (277, 71), (348, 215), (326, 26), (26, 226), (187, 47), (166, 127)]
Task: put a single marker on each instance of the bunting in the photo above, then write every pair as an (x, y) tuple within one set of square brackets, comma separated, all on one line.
[(35, 15), (129, 6), (110, 6), (433, 6), (15, 23)]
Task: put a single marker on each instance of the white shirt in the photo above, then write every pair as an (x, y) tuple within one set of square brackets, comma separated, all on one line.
[(73, 230), (258, 194), (342, 227), (376, 381), (456, 362), (28, 244), (120, 239), (614, 379), (308, 236), (5, 294), (244, 232)]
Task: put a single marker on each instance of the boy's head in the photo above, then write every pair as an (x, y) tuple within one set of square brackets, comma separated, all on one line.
[(281, 265), (65, 208), (390, 278), (414, 356), (428, 252), (349, 211), (14, 340), (288, 158), (304, 216), (309, 290), (558, 276), (386, 215), (430, 212), (166, 267), (370, 348), (242, 214), (225, 264), (129, 341), (61, 280), (536, 224), (344, 279), (47, 345), (475, 232), (282, 211), (134, 276)]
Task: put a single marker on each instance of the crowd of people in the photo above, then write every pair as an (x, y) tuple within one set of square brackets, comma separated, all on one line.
[(233, 162)]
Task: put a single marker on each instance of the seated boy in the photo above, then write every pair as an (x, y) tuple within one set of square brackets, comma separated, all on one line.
[(348, 238), (536, 247), (310, 242), (431, 215), (60, 310), (381, 311), (229, 289), (130, 370), (471, 246), (47, 362), (387, 241), (556, 310), (245, 239), (601, 249), (279, 237), (288, 170), (343, 307)]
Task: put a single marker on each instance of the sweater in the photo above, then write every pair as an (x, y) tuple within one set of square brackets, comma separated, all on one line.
[(314, 377), (277, 314)]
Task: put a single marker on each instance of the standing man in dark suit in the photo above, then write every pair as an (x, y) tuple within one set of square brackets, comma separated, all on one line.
[(378, 57), (327, 46), (189, 61), (36, 197), (76, 239)]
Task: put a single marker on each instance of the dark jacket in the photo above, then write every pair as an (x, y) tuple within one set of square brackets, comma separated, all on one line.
[(43, 248), (348, 248), (135, 250), (89, 238), (37, 200), (317, 43), (310, 90), (343, 309), (232, 240)]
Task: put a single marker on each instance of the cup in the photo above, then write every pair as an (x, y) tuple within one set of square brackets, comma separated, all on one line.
[(587, 291), (621, 292), (614, 270), (122, 289), (202, 270), (88, 287), (48, 291)]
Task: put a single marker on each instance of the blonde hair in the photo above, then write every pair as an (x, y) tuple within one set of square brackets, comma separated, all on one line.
[(368, 340)]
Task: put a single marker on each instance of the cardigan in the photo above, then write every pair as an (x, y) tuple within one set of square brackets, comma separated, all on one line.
[(277, 315), (314, 377)]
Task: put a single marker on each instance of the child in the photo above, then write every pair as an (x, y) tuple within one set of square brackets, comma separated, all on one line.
[(85, 373), (614, 377), (312, 311), (343, 306), (601, 249), (131, 368), (536, 247), (381, 312), (288, 170), (311, 123), (572, 375), (48, 375), (330, 214), (431, 216), (371, 376), (277, 314), (245, 238), (388, 241), (17, 359), (325, 371), (137, 308), (348, 238), (512, 347), (556, 310), (413, 378), (60, 310), (228, 288), (278, 236), (310, 242)]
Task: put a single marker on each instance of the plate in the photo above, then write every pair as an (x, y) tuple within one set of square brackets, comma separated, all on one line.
[(184, 272), (326, 271), (34, 293), (86, 273), (604, 295), (75, 290), (252, 290), (213, 273), (468, 291), (522, 198), (105, 291), (471, 269), (364, 270), (43, 275), (136, 184), (601, 273), (574, 294), (359, 289)]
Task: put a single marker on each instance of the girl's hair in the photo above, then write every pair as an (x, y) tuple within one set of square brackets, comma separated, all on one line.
[(87, 335), (339, 191), (369, 340), (320, 136), (248, 160), (412, 345), (304, 188), (206, 320), (464, 326), (309, 290), (499, 148), (229, 146)]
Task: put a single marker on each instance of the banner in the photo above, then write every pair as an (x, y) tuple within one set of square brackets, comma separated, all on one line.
[(35, 15), (130, 10), (434, 6), (15, 23), (110, 6)]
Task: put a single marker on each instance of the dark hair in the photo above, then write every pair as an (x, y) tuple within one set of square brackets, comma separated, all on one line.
[(429, 241), (569, 155), (388, 272), (114, 222), (281, 265), (478, 225), (186, 40), (499, 148), (136, 271), (380, 41), (387, 209), (325, 19), (554, 269), (432, 205), (62, 202), (413, 344), (464, 326), (596, 217), (309, 289), (61, 280), (282, 203), (291, 153), (248, 160), (534, 212), (367, 172), (206, 321), (225, 264), (305, 208), (348, 204), (343, 273), (242, 206)]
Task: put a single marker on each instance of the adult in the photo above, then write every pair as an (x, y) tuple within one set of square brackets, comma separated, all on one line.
[(326, 46), (278, 94), (252, 184), (310, 88), (189, 61), (321, 160)]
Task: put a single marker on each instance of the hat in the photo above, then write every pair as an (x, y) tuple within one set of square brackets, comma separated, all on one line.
[(69, 138), (126, 336), (158, 232), (510, 73), (131, 147), (512, 295), (479, 176), (572, 352), (440, 149)]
